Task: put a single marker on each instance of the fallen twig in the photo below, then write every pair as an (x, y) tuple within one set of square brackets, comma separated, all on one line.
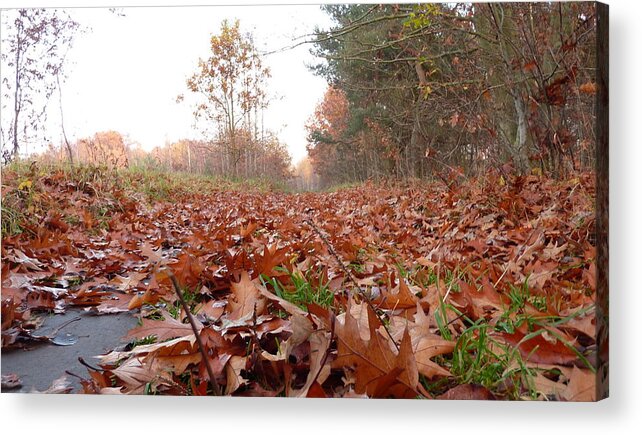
[(215, 388), (350, 277), (89, 366), (59, 328)]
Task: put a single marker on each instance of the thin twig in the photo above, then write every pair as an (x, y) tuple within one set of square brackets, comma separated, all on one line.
[(350, 277), (520, 256), (89, 366), (452, 281), (74, 375), (57, 330), (215, 388), (455, 319)]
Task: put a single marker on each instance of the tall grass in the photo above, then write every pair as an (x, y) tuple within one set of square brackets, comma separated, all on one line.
[(32, 190)]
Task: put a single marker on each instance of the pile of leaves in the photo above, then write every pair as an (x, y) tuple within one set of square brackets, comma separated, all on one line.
[(480, 289)]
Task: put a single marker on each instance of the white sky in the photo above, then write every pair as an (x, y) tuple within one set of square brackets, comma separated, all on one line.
[(125, 73)]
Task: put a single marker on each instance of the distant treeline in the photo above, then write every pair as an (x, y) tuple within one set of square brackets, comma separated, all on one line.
[(263, 158)]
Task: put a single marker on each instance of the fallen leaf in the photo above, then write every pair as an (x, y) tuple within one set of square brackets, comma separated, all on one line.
[(467, 392), (11, 381), (539, 350), (21, 259), (163, 329), (581, 387), (246, 298), (134, 374), (377, 368), (319, 367), (59, 386), (233, 372)]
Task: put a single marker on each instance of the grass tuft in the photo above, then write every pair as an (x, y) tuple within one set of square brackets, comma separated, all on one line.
[(301, 290)]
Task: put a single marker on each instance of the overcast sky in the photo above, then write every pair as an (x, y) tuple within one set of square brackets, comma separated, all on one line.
[(125, 73)]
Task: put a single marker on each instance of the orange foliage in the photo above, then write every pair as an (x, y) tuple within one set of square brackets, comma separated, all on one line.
[(104, 148)]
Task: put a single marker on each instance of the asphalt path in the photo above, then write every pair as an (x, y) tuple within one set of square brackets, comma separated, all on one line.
[(39, 364)]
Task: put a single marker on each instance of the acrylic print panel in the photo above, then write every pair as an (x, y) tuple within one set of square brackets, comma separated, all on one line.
[(371, 201)]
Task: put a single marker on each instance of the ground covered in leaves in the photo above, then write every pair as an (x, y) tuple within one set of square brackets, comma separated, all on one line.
[(457, 289)]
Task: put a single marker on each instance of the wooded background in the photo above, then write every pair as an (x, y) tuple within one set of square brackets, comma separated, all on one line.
[(417, 88), (414, 91)]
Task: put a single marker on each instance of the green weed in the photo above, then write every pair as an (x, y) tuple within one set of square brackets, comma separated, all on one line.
[(479, 359), (357, 267), (72, 219), (150, 339), (191, 299), (12, 221), (302, 290), (514, 316)]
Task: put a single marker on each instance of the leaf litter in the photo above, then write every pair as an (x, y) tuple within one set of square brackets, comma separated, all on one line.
[(481, 290)]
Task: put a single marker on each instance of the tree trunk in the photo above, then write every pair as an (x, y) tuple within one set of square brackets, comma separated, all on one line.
[(62, 123), (519, 150), (602, 206), (16, 104)]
